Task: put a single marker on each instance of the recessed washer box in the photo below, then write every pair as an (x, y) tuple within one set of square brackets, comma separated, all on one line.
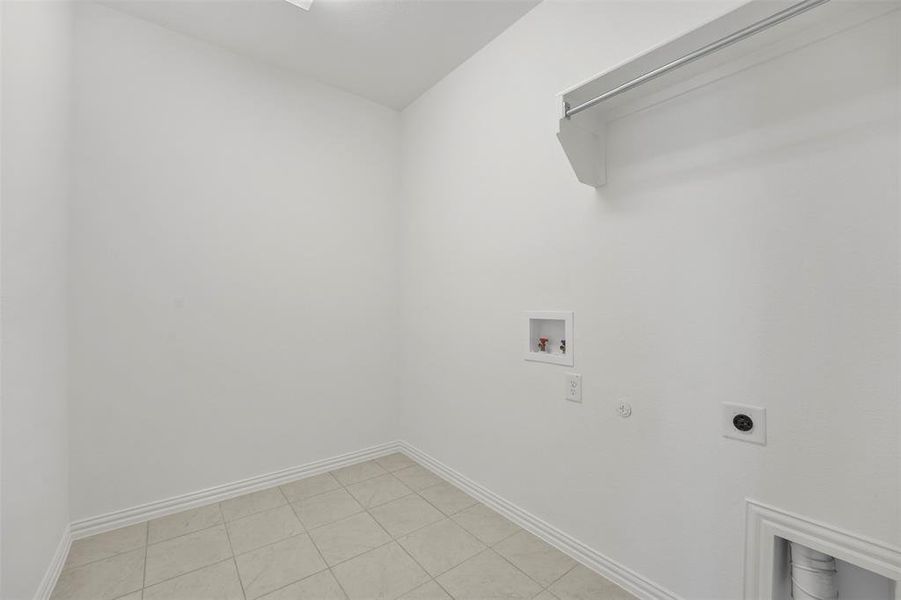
[(550, 337)]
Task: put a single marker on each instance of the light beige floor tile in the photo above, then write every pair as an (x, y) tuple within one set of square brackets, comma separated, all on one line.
[(395, 462), (132, 596), (447, 498), (326, 508), (349, 537), (584, 584), (382, 574), (180, 555), (488, 577), (321, 586), (417, 477), (359, 472), (405, 515), (311, 486), (263, 528), (441, 546), (485, 524), (540, 561), (546, 595), (102, 580), (216, 582), (184, 522), (429, 591), (271, 567), (246, 505), (105, 545), (378, 490)]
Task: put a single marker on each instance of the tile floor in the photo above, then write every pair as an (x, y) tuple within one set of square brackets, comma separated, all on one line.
[(382, 529)]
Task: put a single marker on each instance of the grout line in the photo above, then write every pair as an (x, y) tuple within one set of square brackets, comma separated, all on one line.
[(376, 521), (443, 481), (328, 567), (364, 511), (238, 573), (318, 551), (492, 546), (541, 585), (568, 571), (222, 524), (432, 504), (444, 589), (413, 558), (312, 495), (146, 548), (307, 531), (446, 518), (147, 542), (156, 583), (455, 513), (115, 554), (292, 503), (299, 520), (338, 581), (256, 512), (538, 583), (284, 539), (487, 547), (338, 520), (367, 508), (339, 563), (368, 512), (310, 576), (281, 507), (66, 570), (345, 486), (507, 537), (232, 548)]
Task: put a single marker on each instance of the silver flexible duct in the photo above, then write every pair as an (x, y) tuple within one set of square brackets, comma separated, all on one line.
[(813, 574)]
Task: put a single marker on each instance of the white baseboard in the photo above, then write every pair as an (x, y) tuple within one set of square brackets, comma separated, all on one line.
[(624, 577), (160, 508), (56, 566), (582, 553)]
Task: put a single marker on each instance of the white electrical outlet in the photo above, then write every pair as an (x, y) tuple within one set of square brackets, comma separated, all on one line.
[(574, 387), (745, 423)]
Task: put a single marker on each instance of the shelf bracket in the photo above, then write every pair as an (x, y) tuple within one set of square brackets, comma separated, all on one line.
[(586, 151)]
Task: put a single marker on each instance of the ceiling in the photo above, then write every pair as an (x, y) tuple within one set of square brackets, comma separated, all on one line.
[(389, 51)]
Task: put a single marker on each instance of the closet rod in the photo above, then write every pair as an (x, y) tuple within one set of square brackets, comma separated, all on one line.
[(737, 36)]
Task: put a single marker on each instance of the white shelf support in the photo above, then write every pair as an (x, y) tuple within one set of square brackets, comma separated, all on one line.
[(586, 151)]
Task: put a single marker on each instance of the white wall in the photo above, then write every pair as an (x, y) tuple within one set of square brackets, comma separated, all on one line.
[(35, 53), (234, 283), (745, 249), (233, 264)]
